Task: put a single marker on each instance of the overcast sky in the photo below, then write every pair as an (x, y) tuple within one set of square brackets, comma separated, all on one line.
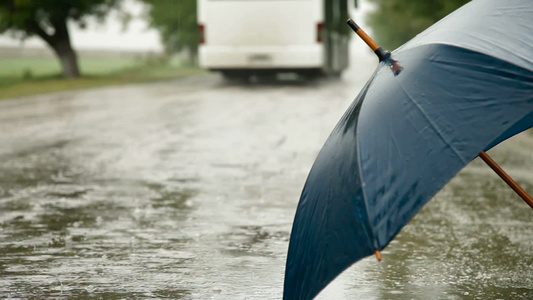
[(111, 36), (106, 35)]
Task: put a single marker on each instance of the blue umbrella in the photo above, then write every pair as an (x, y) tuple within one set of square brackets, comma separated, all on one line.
[(466, 85)]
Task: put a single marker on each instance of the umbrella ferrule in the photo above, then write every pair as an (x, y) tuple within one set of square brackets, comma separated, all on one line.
[(353, 25)]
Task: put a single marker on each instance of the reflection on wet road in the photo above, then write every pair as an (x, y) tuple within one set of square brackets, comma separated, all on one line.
[(187, 190)]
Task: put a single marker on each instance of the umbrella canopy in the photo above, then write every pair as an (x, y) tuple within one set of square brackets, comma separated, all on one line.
[(466, 85)]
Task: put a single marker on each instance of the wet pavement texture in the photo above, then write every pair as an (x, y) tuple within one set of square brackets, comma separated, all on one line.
[(187, 190)]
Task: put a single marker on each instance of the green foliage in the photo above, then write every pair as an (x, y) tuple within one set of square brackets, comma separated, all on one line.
[(394, 22), (21, 16), (177, 23)]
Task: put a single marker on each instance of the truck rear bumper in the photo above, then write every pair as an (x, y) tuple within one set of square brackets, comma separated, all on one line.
[(261, 57)]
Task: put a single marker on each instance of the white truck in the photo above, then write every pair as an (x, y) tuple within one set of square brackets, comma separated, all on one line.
[(245, 37)]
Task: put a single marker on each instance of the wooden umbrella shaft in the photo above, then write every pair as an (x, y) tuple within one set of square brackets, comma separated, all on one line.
[(380, 52), (485, 157)]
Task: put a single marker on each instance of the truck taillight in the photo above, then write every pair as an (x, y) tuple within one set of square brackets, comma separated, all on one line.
[(201, 30), (319, 31)]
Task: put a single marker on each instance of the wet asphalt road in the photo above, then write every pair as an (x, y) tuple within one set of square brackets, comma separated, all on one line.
[(187, 189)]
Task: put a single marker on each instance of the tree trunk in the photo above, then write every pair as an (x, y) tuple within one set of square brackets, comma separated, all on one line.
[(67, 57), (59, 41)]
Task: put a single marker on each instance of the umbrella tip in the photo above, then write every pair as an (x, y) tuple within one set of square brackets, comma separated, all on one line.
[(378, 255), (353, 25)]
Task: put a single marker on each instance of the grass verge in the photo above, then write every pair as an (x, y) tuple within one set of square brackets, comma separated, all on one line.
[(96, 74)]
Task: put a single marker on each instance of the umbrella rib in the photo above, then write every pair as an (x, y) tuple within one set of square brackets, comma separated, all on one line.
[(360, 172), (433, 125), (369, 224)]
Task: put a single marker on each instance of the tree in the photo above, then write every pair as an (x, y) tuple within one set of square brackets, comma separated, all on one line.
[(396, 21), (177, 24), (48, 20)]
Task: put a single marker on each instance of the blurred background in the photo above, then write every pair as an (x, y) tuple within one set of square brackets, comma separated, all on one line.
[(122, 41)]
